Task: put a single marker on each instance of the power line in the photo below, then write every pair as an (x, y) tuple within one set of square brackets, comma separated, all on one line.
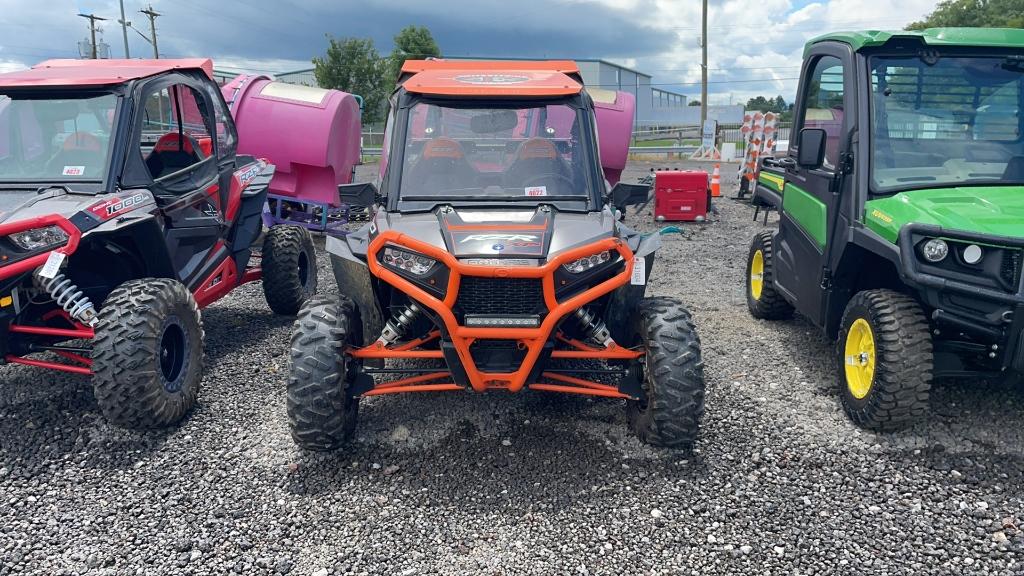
[(741, 81), (809, 25)]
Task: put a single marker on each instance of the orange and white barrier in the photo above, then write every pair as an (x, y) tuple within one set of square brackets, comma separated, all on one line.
[(759, 131)]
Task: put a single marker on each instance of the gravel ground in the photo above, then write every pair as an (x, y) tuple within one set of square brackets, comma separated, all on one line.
[(781, 482)]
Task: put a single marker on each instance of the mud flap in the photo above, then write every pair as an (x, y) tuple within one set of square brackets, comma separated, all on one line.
[(353, 278), (624, 299), (247, 227)]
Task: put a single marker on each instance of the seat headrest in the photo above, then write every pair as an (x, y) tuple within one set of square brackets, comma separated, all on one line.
[(82, 141), (442, 148), (537, 148), (174, 142)]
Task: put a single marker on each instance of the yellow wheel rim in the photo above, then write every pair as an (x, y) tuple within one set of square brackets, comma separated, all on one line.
[(757, 275), (860, 358)]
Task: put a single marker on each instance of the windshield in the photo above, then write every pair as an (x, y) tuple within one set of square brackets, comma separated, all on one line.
[(946, 120), (48, 139), (494, 153)]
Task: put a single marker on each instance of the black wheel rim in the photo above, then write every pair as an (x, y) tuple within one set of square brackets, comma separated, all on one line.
[(173, 348)]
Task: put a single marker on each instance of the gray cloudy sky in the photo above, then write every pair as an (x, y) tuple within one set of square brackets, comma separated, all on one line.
[(754, 45)]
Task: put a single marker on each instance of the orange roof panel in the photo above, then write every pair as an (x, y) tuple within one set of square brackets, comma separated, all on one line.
[(563, 66), (492, 78)]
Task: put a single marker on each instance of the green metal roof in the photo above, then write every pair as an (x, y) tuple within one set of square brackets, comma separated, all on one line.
[(987, 37)]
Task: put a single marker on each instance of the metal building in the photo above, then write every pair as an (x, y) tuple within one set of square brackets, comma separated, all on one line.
[(656, 106)]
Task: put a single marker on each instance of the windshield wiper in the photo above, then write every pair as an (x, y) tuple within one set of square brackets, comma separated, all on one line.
[(491, 198), (1013, 64)]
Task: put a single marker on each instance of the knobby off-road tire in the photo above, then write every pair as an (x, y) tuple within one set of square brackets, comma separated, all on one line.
[(763, 300), (289, 268), (148, 353), (889, 330), (321, 413), (672, 375)]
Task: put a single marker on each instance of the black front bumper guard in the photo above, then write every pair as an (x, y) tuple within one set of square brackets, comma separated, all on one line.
[(911, 234)]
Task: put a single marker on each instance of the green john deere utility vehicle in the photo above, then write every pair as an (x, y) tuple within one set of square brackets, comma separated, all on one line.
[(901, 205)]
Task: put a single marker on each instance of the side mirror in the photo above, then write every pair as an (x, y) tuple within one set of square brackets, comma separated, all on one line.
[(811, 151), (624, 195), (360, 194)]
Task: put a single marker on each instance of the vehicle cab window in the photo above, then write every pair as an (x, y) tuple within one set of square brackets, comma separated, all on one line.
[(946, 119), (177, 131), (49, 139), (823, 105)]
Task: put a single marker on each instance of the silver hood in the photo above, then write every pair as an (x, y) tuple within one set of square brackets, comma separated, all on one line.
[(467, 232)]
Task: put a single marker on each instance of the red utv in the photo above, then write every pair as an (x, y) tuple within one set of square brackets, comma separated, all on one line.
[(124, 210)]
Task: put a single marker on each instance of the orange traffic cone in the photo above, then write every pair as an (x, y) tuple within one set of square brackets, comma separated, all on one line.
[(716, 182)]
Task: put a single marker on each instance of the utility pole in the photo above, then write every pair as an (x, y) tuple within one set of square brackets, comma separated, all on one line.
[(704, 66), (92, 18), (124, 31), (152, 28)]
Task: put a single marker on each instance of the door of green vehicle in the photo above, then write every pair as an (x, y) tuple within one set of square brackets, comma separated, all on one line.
[(808, 199)]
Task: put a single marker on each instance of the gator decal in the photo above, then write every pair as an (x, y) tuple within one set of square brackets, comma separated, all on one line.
[(994, 210), (808, 212), (772, 181)]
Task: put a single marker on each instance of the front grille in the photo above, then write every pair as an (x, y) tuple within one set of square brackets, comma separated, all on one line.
[(478, 295), (1010, 267), (497, 355)]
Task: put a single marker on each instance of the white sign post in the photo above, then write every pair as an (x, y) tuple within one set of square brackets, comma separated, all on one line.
[(708, 150)]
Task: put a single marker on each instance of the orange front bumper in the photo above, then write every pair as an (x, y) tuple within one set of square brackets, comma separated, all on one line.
[(531, 339)]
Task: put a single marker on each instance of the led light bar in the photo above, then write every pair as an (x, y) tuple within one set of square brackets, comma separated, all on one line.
[(488, 321)]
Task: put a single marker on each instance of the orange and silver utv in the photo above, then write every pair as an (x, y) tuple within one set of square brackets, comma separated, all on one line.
[(495, 260)]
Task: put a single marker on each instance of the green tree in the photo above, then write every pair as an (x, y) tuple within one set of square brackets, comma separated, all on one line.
[(973, 14), (354, 66), (777, 105), (412, 43), (694, 103)]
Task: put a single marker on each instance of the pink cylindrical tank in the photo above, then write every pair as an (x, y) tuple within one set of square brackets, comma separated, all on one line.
[(311, 135), (614, 113)]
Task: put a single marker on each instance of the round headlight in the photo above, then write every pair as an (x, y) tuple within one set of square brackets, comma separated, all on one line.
[(935, 250), (973, 253)]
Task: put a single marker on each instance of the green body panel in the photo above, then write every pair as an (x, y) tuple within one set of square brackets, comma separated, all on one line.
[(807, 211), (773, 181), (995, 210), (982, 37)]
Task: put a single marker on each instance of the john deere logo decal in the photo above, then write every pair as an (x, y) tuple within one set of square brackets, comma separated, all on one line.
[(492, 79)]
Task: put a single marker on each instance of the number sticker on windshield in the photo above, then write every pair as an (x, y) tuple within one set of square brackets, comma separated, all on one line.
[(536, 190), (73, 171)]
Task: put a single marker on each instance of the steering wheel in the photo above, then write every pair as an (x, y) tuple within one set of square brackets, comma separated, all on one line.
[(569, 183)]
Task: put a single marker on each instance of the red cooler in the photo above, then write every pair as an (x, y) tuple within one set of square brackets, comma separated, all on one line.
[(681, 195)]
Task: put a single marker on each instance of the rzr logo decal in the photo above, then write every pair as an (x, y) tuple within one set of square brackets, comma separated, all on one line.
[(510, 238), (247, 175), (510, 243), (492, 79)]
